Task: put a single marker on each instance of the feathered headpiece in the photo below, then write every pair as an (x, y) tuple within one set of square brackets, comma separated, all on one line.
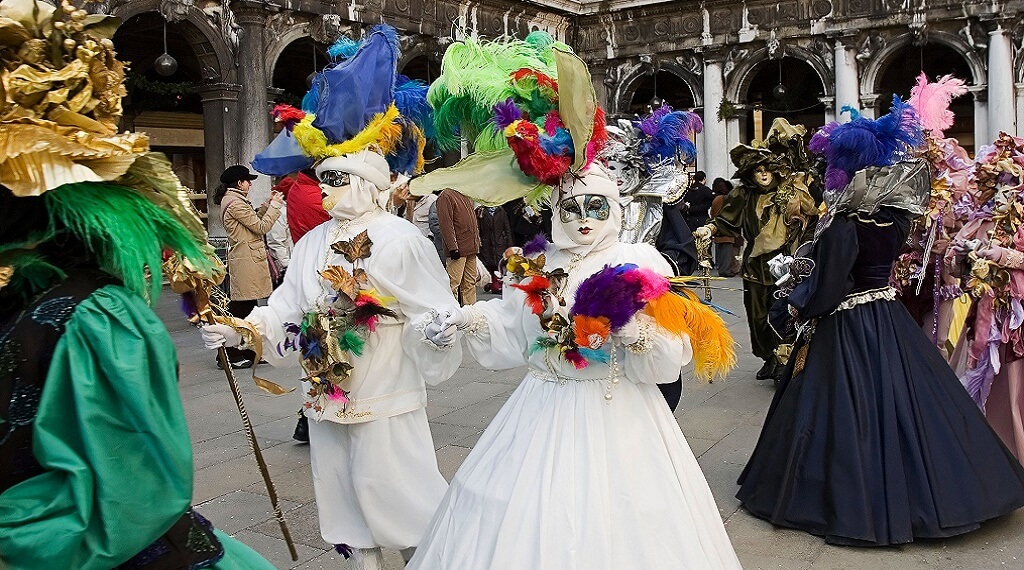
[(357, 102), (863, 142), (529, 102), (62, 86), (931, 100), (782, 150), (663, 135)]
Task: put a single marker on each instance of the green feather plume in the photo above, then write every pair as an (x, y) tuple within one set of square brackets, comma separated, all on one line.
[(126, 232), (475, 76), (352, 342)]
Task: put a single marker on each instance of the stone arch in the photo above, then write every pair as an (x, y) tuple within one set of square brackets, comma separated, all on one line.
[(738, 82), (277, 47), (634, 76), (871, 77), (214, 54)]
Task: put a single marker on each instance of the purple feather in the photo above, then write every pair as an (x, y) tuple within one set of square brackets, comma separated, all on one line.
[(537, 245), (863, 142), (649, 124), (506, 113), (607, 294), (188, 304), (672, 138)]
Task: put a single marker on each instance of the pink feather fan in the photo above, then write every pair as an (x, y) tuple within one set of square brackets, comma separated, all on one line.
[(932, 101)]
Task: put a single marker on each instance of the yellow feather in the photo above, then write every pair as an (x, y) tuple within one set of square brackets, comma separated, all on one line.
[(382, 131)]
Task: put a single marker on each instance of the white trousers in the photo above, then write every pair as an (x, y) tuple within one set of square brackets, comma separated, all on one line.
[(376, 483)]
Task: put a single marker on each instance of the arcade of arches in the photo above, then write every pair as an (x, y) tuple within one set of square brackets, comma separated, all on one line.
[(236, 58)]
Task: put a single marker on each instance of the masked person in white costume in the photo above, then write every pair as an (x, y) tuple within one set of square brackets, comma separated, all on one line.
[(374, 469), (582, 467)]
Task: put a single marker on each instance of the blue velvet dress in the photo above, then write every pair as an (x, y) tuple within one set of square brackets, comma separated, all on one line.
[(870, 439)]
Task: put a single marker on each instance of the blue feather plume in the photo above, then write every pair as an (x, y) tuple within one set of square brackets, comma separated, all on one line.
[(411, 100), (559, 144), (344, 48)]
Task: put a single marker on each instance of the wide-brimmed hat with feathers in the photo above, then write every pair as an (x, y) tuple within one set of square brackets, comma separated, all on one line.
[(529, 109), (358, 102), (59, 119)]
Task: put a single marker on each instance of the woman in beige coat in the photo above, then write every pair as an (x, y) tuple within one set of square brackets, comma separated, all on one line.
[(248, 267)]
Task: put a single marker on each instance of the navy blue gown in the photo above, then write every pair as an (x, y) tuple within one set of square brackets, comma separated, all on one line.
[(874, 441)]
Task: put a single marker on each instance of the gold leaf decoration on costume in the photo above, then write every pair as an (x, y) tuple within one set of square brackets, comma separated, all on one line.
[(342, 281), (6, 272), (355, 248)]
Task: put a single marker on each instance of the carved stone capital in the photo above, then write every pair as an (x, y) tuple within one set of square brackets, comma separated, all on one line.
[(327, 28), (250, 13), (979, 92), (219, 91), (176, 10)]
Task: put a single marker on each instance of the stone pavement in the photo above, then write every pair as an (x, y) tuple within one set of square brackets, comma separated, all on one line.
[(721, 421)]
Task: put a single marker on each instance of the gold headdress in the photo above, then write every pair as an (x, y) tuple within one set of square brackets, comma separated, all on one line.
[(60, 99)]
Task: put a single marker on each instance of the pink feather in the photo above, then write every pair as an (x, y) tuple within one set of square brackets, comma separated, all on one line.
[(653, 285), (931, 100)]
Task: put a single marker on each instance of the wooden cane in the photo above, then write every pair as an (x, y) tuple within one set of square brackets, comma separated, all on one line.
[(250, 435)]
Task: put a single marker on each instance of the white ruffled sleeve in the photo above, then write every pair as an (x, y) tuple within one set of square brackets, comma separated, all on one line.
[(501, 331), (658, 357), (407, 269)]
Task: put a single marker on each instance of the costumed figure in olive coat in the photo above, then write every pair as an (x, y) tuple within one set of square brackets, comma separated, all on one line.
[(774, 212)]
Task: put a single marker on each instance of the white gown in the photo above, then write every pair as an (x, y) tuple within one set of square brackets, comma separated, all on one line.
[(375, 472), (563, 479)]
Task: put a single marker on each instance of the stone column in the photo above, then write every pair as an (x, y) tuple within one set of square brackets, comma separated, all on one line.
[(847, 89), (830, 108), (981, 135), (1001, 114), (716, 142), (253, 115), (220, 136)]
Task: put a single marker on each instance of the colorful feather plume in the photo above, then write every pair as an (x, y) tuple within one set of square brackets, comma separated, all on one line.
[(670, 134), (287, 115), (932, 100), (863, 142), (610, 293)]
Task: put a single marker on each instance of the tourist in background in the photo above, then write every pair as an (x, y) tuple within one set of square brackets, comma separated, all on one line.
[(248, 265)]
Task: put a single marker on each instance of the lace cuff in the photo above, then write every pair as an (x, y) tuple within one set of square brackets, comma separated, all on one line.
[(476, 324), (645, 343)]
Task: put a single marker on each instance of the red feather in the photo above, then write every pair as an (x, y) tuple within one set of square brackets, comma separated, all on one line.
[(534, 289)]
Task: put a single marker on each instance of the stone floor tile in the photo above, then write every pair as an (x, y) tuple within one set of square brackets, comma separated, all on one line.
[(275, 549), (240, 510)]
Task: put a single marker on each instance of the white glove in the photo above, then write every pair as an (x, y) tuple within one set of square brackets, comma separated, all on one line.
[(216, 336), (455, 317), (440, 334), (703, 232), (630, 332)]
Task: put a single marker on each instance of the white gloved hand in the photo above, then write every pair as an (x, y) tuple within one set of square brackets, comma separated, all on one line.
[(456, 317), (703, 232), (630, 332), (440, 334), (216, 336)]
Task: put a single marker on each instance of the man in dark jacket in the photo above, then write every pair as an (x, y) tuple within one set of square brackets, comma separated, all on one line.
[(697, 201), (461, 238), (495, 238)]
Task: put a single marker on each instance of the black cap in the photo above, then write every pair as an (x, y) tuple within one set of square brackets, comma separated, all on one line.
[(236, 173)]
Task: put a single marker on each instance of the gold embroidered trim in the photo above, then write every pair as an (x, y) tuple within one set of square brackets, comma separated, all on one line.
[(870, 296)]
